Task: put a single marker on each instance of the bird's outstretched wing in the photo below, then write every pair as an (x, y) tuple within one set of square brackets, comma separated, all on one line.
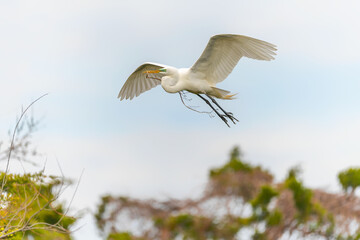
[(139, 82), (223, 52)]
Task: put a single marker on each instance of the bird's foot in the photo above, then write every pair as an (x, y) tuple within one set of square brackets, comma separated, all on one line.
[(223, 117), (230, 115)]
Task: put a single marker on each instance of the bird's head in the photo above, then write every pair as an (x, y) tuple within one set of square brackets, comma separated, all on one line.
[(166, 71), (161, 70)]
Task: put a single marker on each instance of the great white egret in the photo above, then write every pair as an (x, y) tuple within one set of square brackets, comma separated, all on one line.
[(217, 61)]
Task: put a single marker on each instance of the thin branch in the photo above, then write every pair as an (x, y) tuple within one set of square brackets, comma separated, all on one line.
[(182, 100), (13, 138), (72, 198)]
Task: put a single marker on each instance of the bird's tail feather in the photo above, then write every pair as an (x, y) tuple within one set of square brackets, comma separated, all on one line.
[(230, 96), (223, 94)]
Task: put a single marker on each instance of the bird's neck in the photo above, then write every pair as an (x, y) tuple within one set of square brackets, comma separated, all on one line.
[(171, 84)]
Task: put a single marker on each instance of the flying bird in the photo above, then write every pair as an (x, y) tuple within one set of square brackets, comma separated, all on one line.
[(217, 61)]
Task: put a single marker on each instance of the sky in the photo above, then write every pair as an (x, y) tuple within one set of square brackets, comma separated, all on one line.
[(300, 109)]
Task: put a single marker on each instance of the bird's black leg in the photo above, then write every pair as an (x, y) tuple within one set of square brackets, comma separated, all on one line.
[(217, 113), (228, 114)]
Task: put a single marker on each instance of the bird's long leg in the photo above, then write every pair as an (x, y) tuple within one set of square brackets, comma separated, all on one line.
[(217, 113), (228, 114)]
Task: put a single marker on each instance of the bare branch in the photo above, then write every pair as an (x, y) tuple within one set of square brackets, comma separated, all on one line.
[(23, 112)]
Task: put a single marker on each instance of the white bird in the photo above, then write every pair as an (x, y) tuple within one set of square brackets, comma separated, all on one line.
[(217, 61)]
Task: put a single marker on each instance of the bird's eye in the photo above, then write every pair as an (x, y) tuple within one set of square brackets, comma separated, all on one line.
[(162, 70)]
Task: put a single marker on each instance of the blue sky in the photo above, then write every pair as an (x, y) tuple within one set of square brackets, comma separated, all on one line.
[(302, 108)]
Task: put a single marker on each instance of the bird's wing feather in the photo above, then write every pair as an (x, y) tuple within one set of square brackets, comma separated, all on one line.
[(223, 52), (139, 82)]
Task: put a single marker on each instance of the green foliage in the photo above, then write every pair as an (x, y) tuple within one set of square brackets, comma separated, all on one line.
[(105, 200), (294, 172), (229, 228), (261, 201), (274, 218), (190, 227), (259, 236), (355, 237), (350, 179), (320, 212), (29, 200), (331, 227), (182, 221), (235, 164), (245, 221), (196, 227), (120, 236), (302, 196), (264, 197)]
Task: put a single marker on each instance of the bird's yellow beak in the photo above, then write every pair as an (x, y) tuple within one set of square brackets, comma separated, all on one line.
[(152, 71)]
